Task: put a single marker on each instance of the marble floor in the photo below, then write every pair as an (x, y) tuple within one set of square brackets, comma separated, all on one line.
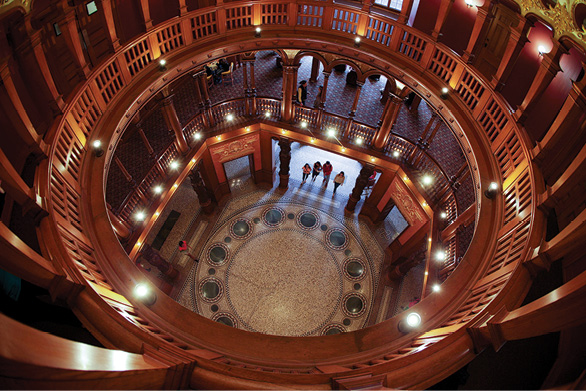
[(284, 262)]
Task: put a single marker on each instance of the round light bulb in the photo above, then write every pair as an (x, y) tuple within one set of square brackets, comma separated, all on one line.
[(413, 319), (162, 62)]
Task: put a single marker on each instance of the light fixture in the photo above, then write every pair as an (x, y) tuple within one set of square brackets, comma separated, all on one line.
[(247, 129), (424, 204), (157, 214), (426, 273), (470, 3), (162, 64), (303, 124), (492, 190), (436, 288), (372, 158), (396, 154), (343, 149), (97, 146), (283, 131), (146, 295), (192, 161), (158, 189), (174, 165), (218, 137), (312, 140), (410, 322), (359, 140), (197, 136), (140, 216), (427, 180), (175, 186), (440, 256), (405, 178), (267, 114), (542, 50), (443, 215), (357, 41), (230, 117), (429, 240), (445, 92), (257, 31), (331, 133)]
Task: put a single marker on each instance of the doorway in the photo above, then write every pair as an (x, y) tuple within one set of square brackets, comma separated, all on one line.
[(239, 173)]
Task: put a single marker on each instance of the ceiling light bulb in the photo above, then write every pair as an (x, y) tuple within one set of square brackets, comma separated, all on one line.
[(230, 117), (357, 39), (174, 165), (445, 90), (331, 132), (541, 49), (158, 189), (396, 153), (97, 144), (140, 216), (427, 180), (493, 186), (303, 124), (267, 114), (443, 215), (413, 319), (436, 288), (257, 29), (359, 141), (162, 62), (440, 255), (197, 136)]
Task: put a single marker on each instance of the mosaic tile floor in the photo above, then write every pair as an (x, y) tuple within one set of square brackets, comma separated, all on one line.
[(276, 265)]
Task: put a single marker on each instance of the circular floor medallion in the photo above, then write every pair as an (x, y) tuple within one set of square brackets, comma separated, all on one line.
[(333, 329), (210, 289), (241, 229), (354, 304), (217, 254), (354, 269), (225, 318), (273, 217), (307, 220), (337, 239)]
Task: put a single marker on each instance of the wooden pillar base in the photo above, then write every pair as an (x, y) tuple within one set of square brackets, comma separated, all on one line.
[(351, 205), (208, 207), (283, 181)]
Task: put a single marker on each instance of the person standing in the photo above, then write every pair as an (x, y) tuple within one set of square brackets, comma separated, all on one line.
[(316, 170), (306, 172), (339, 180), (327, 168), (302, 92), (318, 98)]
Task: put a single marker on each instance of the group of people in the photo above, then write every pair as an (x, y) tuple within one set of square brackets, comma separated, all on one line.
[(327, 169), (217, 69), (301, 95)]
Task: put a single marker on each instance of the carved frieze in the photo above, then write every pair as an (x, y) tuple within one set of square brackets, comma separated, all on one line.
[(560, 16)]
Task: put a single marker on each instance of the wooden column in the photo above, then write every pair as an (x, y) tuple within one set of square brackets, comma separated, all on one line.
[(547, 71), (516, 42), (559, 310), (182, 7), (56, 102), (325, 89), (252, 87), (406, 8), (72, 37), (125, 172), (146, 14), (18, 115), (19, 191), (201, 190), (246, 89), (208, 118), (361, 183), (442, 14), (562, 132), (173, 122), (359, 85), (481, 24), (289, 86), (314, 70), (108, 13), (285, 160), (389, 117), (120, 228)]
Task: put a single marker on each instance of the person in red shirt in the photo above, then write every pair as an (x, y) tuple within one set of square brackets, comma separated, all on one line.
[(327, 170)]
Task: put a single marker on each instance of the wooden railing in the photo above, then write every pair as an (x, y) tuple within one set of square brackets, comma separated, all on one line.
[(475, 103)]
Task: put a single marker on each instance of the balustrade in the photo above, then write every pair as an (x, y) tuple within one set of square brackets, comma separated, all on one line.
[(62, 178)]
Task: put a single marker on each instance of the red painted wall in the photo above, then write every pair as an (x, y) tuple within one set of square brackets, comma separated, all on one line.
[(526, 66), (458, 26), (162, 10), (426, 15), (129, 21)]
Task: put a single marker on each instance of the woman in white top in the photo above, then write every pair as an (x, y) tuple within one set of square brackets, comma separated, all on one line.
[(339, 180)]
